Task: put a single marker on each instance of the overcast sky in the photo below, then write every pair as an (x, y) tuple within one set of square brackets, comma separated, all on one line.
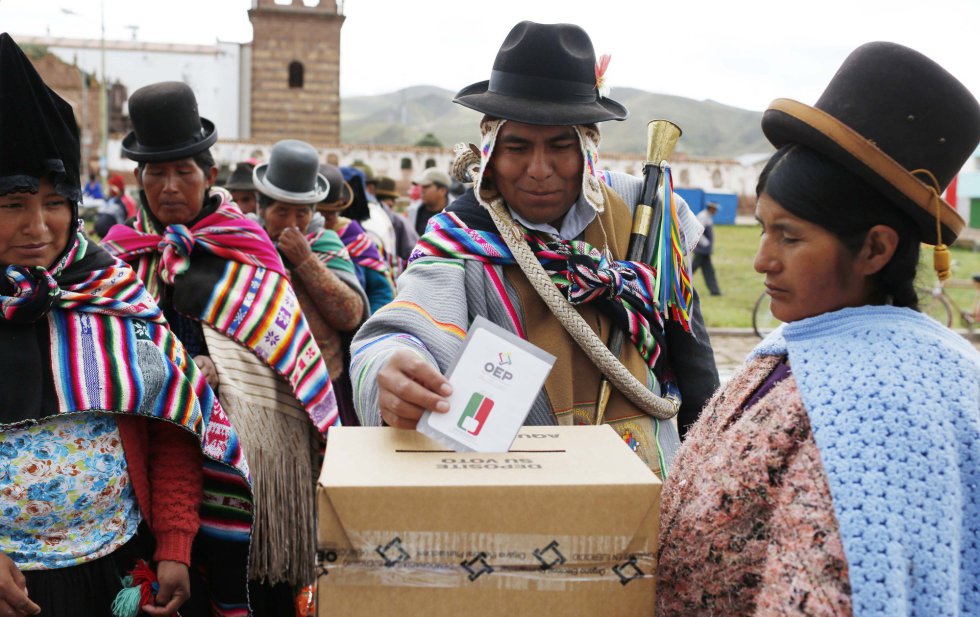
[(739, 53)]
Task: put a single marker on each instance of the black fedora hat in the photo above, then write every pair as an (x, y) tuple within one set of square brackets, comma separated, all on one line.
[(292, 174), (888, 112), (166, 124), (543, 74), (340, 196), (241, 178)]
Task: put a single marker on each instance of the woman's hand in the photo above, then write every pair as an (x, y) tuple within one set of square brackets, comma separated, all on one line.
[(294, 245), (407, 386), (175, 588), (207, 368), (13, 591)]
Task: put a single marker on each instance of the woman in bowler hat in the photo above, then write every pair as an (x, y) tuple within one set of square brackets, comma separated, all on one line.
[(227, 295), (837, 472)]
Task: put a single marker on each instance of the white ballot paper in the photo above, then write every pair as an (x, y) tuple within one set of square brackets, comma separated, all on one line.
[(495, 379)]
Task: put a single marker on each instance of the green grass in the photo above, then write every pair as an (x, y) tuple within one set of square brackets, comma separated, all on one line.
[(741, 285)]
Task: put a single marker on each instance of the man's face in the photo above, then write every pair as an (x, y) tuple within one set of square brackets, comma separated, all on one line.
[(434, 196), (247, 200), (537, 169)]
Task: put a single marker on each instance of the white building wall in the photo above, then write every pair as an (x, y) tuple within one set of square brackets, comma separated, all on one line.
[(212, 71)]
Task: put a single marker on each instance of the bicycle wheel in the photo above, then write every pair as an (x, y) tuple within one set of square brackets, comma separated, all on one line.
[(935, 304), (763, 321)]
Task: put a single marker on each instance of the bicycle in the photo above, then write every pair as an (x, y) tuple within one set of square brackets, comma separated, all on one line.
[(941, 306), (934, 301)]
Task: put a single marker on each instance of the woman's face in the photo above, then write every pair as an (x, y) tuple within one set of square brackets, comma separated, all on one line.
[(808, 270), (280, 215), (34, 227), (175, 189), (330, 219)]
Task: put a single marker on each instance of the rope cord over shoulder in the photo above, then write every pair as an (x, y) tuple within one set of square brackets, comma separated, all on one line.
[(573, 322)]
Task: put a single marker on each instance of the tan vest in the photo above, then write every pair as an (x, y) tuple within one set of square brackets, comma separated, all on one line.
[(573, 385)]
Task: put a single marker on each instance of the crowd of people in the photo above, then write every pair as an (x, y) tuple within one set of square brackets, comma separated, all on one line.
[(167, 391)]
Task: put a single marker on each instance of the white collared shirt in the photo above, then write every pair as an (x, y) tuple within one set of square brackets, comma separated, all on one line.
[(578, 217)]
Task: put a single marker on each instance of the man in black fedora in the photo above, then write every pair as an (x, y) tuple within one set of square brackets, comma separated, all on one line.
[(242, 188), (535, 172)]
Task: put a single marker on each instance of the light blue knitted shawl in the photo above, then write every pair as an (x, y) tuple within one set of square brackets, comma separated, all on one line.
[(894, 401)]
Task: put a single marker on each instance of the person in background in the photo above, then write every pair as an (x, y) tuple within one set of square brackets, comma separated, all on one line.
[(532, 176), (372, 270), (836, 473), (117, 209), (112, 445), (227, 295), (371, 215), (706, 246), (433, 198), (405, 236), (242, 188)]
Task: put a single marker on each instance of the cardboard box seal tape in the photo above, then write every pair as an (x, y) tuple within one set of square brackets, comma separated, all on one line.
[(566, 522)]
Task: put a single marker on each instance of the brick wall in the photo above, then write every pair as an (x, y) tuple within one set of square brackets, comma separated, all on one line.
[(67, 80), (310, 36)]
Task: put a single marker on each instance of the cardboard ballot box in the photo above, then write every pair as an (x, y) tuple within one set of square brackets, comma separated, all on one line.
[(566, 523)]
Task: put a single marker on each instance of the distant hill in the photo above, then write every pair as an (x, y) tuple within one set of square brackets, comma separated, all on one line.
[(405, 116)]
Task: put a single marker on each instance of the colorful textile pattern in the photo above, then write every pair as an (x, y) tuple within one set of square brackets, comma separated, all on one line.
[(674, 290), (362, 250), (65, 494), (225, 233), (894, 401), (242, 292), (330, 250), (621, 289), (258, 308), (104, 328)]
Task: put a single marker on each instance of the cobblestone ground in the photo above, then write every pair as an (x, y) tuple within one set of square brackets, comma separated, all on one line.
[(732, 345)]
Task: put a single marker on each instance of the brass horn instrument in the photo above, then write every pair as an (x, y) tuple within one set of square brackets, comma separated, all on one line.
[(662, 136)]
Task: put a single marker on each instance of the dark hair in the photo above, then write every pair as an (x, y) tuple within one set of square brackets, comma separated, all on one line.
[(204, 160), (816, 189)]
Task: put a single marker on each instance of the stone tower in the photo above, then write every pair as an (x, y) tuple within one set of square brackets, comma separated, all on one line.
[(295, 89)]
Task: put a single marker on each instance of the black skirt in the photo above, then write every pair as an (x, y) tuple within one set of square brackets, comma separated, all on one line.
[(85, 589)]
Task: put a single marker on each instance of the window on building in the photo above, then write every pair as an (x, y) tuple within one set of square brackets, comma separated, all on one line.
[(430, 163), (406, 163), (716, 179), (295, 74)]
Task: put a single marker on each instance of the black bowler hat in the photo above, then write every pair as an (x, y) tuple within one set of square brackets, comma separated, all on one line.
[(241, 178), (166, 124), (37, 128), (543, 74), (888, 112), (292, 174)]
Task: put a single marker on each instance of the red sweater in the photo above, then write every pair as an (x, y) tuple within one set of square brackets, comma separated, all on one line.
[(164, 463)]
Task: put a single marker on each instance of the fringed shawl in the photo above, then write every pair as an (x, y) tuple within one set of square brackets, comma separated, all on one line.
[(226, 273)]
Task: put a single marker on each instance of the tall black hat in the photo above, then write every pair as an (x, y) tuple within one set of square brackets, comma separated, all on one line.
[(166, 124), (38, 132), (543, 74), (888, 113)]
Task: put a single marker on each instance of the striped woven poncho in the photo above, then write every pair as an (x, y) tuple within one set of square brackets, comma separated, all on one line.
[(226, 273), (101, 327)]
